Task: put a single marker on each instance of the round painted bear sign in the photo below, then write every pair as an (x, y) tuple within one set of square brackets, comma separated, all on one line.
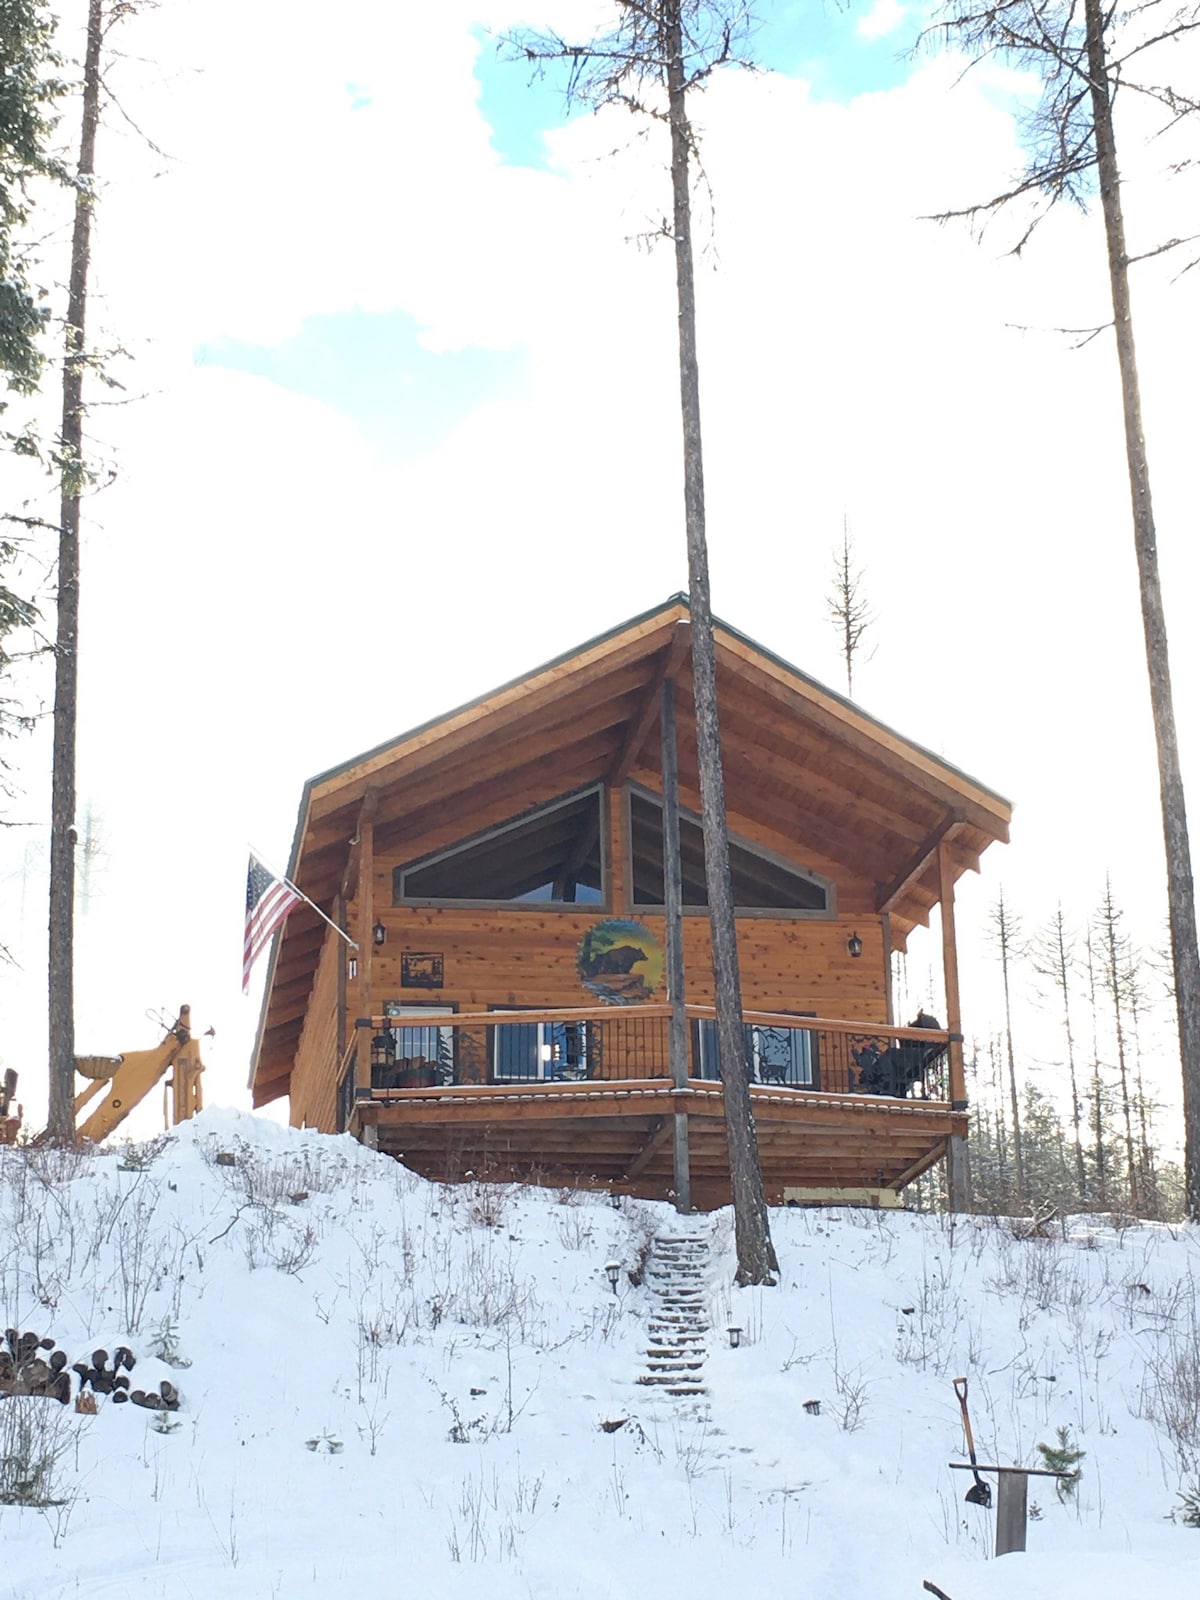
[(620, 962)]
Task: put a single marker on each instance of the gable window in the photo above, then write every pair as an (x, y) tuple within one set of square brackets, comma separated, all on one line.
[(552, 855), (762, 881)]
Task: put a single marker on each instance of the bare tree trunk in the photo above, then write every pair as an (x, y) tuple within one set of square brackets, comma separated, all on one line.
[(1180, 887), (1098, 1130), (61, 1122), (1151, 1206), (1004, 940), (1060, 972), (755, 1252), (676, 972), (1115, 981)]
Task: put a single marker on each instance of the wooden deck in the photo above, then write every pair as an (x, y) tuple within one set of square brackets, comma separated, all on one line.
[(616, 1131)]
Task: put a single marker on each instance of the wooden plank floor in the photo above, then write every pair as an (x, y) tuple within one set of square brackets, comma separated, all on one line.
[(618, 1136)]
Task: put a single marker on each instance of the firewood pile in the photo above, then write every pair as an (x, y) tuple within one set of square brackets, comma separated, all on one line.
[(32, 1365)]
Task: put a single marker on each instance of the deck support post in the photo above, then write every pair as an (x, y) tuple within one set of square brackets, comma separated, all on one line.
[(957, 1175), (673, 902), (366, 943), (886, 921)]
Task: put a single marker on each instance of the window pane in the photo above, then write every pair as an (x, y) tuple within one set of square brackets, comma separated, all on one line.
[(759, 882), (551, 855)]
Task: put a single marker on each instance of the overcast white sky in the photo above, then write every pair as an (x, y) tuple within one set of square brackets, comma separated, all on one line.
[(410, 427)]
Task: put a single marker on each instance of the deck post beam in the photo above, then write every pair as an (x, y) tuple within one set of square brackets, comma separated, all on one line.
[(889, 894), (957, 1170), (673, 898), (655, 1140), (886, 923)]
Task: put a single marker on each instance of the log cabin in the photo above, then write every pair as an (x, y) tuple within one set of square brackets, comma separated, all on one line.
[(505, 872)]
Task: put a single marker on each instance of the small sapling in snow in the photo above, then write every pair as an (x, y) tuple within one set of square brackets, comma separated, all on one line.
[(1063, 1458)]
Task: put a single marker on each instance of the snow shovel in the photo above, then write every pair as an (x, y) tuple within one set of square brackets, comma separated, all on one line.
[(980, 1493)]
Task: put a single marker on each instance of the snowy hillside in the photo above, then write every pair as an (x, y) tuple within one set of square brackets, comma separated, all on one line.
[(392, 1388)]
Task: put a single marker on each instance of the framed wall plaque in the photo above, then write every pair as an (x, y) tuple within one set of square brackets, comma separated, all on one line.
[(421, 970)]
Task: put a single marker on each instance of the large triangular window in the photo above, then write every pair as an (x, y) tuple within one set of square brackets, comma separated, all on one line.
[(762, 881), (548, 856)]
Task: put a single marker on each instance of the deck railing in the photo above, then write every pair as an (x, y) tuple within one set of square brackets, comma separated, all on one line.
[(608, 1044)]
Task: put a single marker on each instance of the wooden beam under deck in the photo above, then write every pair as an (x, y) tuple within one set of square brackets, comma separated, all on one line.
[(618, 1134)]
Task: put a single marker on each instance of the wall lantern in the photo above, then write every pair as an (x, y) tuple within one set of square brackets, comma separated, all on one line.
[(379, 933), (735, 1337), (854, 945), (613, 1268)]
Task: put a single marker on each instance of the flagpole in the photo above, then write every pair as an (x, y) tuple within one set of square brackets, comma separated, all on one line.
[(340, 931)]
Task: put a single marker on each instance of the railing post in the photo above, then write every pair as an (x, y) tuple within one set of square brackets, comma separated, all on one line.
[(673, 902)]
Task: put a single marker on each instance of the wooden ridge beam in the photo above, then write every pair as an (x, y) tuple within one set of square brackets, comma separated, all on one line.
[(669, 663)]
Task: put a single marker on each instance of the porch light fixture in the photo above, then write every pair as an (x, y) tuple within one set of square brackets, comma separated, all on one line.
[(379, 933), (613, 1268), (854, 945), (735, 1337)]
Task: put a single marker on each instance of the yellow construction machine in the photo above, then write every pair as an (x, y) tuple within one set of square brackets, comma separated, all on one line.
[(126, 1080), (10, 1111)]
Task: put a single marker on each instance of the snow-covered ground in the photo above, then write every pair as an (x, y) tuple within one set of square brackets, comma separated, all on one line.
[(399, 1388)]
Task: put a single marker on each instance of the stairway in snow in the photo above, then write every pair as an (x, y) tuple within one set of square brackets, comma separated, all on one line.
[(678, 1322)]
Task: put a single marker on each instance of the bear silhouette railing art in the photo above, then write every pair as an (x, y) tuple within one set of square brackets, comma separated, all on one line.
[(532, 1051)]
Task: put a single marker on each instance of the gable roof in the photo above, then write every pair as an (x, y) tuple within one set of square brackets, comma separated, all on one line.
[(800, 759)]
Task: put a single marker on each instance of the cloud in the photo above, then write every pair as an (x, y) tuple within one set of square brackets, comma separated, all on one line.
[(884, 17)]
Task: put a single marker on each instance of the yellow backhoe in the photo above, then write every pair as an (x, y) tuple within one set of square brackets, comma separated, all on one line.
[(10, 1111), (126, 1080)]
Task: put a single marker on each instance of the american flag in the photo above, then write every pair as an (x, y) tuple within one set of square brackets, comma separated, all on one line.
[(268, 901)]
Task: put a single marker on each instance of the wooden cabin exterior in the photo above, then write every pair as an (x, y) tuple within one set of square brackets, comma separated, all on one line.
[(502, 872)]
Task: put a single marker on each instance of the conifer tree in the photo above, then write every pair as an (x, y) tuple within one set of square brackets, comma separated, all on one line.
[(1063, 1456), (847, 605), (29, 90)]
